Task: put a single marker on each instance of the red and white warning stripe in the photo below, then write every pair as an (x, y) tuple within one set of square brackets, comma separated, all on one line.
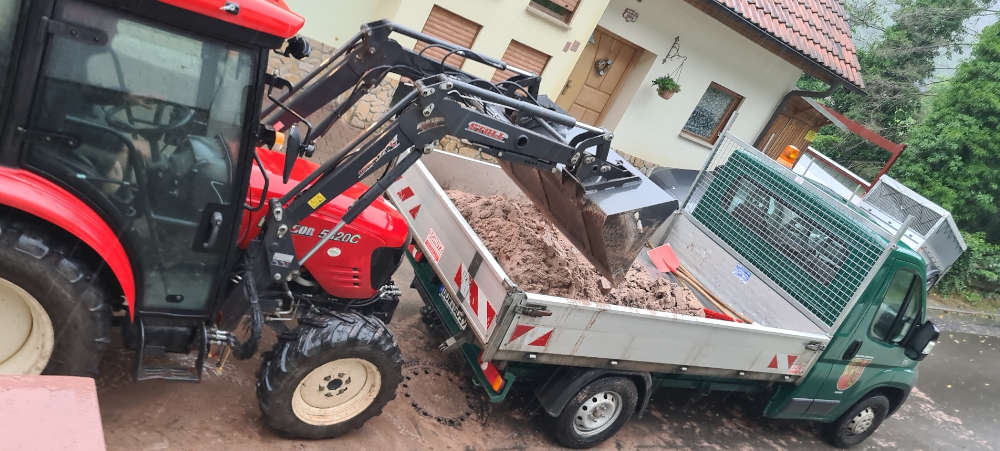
[(784, 362), (481, 306), (527, 335)]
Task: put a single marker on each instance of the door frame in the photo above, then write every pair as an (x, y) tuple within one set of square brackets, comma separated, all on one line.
[(29, 61), (628, 69)]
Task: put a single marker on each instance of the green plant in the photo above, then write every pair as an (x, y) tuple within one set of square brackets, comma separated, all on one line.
[(977, 273), (666, 84)]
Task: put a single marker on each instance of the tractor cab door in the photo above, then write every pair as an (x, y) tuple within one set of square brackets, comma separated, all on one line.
[(146, 123)]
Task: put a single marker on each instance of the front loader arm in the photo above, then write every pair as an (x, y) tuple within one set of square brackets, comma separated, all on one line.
[(438, 106), (363, 62)]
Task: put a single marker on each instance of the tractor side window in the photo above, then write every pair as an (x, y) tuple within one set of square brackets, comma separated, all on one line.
[(148, 126), (899, 308), (9, 10)]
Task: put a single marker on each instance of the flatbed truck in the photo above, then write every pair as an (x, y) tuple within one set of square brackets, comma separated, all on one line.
[(836, 303)]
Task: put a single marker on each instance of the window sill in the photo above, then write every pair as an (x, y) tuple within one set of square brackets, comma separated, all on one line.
[(536, 11), (696, 139)]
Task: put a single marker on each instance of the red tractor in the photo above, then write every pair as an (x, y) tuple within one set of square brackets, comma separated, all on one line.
[(135, 190)]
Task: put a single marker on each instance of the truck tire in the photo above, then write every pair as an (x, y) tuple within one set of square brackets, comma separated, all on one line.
[(54, 318), (596, 412), (329, 376), (858, 423)]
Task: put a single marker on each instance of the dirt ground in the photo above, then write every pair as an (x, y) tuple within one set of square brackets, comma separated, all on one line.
[(440, 409)]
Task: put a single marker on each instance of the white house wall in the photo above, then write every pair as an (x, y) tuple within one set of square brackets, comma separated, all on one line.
[(649, 127)]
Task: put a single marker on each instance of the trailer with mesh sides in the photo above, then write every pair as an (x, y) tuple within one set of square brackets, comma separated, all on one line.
[(933, 232), (828, 293)]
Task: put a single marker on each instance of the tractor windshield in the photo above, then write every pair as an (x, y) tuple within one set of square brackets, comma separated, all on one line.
[(147, 122)]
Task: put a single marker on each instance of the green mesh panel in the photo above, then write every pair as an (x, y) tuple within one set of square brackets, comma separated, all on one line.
[(808, 246)]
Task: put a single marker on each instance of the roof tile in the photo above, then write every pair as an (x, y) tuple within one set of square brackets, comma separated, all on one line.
[(817, 28)]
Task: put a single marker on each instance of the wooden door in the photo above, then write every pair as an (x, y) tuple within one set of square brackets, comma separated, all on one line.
[(588, 93)]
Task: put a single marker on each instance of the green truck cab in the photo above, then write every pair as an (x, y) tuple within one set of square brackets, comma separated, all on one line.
[(826, 253)]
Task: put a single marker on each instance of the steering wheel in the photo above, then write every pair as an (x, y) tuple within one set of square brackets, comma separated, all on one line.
[(179, 116)]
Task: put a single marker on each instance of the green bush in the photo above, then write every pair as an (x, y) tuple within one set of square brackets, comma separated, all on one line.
[(977, 273)]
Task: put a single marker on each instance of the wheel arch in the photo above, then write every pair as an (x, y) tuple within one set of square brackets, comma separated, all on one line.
[(565, 382), (37, 196), (897, 396)]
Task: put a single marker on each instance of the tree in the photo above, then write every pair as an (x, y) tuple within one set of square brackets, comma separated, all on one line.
[(896, 65), (953, 156)]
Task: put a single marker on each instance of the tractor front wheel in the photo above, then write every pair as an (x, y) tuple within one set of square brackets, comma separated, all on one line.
[(329, 376)]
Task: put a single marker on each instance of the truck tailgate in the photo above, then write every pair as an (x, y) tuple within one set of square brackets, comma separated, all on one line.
[(469, 273)]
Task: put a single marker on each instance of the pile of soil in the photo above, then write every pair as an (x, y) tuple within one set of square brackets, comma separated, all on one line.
[(541, 260)]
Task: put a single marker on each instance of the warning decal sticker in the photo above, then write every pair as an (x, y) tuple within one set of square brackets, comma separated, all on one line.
[(434, 246)]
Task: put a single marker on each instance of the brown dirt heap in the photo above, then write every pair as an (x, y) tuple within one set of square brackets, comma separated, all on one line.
[(541, 260)]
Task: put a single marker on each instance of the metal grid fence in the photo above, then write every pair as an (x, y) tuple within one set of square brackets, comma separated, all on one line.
[(813, 246), (899, 202)]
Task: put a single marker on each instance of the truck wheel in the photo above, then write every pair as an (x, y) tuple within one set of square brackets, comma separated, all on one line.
[(858, 423), (329, 376), (53, 314), (597, 412)]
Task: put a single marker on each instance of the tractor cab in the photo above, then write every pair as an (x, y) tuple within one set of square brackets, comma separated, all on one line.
[(148, 115)]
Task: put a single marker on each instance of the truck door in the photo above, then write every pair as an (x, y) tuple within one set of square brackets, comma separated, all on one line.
[(868, 350), (146, 122)]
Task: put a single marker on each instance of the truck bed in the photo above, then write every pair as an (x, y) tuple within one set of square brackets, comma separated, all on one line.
[(510, 324)]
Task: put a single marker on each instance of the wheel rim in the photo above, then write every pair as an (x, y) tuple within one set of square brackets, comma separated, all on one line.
[(336, 391), (597, 413), (26, 334), (861, 422)]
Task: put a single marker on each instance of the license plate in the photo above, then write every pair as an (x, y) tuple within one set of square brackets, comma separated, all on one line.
[(456, 312)]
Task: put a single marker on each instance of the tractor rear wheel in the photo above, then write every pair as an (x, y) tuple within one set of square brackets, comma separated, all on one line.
[(53, 314), (329, 376)]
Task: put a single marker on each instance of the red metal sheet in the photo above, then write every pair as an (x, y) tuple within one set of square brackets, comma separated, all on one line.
[(266, 16)]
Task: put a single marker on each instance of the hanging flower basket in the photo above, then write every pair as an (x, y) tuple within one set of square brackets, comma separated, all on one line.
[(666, 87)]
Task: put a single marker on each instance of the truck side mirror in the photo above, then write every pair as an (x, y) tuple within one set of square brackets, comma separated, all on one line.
[(922, 341)]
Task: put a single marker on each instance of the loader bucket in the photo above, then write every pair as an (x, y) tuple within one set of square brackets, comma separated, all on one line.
[(609, 226)]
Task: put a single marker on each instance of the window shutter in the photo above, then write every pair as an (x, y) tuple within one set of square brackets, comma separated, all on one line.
[(451, 27), (570, 5), (522, 57)]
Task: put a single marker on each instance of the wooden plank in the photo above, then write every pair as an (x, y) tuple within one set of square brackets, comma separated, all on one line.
[(604, 44), (620, 63), (577, 78), (592, 99)]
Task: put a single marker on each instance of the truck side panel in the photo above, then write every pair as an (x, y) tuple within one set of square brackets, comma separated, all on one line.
[(582, 333)]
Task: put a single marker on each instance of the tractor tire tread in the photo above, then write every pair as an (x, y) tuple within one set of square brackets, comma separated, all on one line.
[(320, 339)]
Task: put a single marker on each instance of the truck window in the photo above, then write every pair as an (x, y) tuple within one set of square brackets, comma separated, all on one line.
[(898, 309), (800, 239)]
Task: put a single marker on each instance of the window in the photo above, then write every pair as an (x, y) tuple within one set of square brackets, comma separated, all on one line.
[(713, 111), (898, 310), (799, 239), (451, 27), (8, 25), (559, 9), (522, 57), (158, 116)]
